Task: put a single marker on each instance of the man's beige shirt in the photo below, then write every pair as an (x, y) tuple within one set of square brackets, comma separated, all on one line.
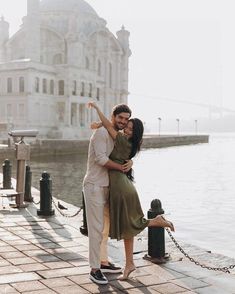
[(100, 147)]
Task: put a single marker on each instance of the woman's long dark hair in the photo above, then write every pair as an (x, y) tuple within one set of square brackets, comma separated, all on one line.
[(136, 141)]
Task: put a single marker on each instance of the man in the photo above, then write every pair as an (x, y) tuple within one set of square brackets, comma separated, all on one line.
[(95, 187)]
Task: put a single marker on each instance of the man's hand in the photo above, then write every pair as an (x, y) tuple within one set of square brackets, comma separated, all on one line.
[(127, 166)]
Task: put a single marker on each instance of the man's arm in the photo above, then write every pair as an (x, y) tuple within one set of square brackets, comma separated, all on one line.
[(100, 148)]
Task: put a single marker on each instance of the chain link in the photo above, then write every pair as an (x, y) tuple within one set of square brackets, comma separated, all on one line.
[(225, 269), (64, 214)]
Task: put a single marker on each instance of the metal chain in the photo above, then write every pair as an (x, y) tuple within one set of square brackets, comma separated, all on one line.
[(64, 214), (224, 269)]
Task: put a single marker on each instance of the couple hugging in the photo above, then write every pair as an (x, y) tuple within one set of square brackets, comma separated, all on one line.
[(112, 204)]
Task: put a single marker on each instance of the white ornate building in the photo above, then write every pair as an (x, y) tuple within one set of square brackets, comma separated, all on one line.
[(62, 56)]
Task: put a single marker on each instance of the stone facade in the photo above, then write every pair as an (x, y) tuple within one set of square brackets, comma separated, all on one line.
[(62, 56)]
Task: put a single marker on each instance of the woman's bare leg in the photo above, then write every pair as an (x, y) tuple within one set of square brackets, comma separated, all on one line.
[(160, 221), (130, 266)]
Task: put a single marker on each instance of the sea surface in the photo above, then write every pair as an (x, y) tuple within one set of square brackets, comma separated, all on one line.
[(195, 183)]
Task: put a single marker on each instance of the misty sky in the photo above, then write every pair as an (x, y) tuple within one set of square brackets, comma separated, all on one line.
[(181, 50)]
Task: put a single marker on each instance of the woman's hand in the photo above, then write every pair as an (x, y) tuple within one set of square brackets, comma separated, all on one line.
[(96, 125), (92, 104)]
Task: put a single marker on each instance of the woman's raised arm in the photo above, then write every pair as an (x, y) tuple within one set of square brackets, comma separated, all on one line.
[(106, 123)]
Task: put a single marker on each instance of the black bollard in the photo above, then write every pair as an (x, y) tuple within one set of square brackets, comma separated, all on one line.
[(83, 228), (28, 181), (156, 236), (45, 196), (6, 170)]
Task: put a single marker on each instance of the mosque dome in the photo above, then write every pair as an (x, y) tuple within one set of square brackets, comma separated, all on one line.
[(79, 6)]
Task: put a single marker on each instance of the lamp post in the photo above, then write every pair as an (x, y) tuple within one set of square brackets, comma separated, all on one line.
[(178, 126), (159, 126), (195, 126)]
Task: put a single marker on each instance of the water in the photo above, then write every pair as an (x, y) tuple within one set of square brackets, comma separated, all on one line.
[(195, 184)]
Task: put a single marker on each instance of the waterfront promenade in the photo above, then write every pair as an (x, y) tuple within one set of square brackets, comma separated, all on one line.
[(41, 147), (49, 255)]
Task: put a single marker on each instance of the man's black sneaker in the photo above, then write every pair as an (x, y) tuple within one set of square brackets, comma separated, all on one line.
[(110, 268), (98, 277)]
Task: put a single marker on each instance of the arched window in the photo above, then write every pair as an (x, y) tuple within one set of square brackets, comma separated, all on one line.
[(52, 86), (90, 90), (98, 93), (21, 84), (110, 75), (99, 68), (61, 87), (87, 63), (9, 85), (74, 91), (37, 85), (44, 86), (83, 89)]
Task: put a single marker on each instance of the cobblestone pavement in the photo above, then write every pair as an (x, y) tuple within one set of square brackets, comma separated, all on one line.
[(49, 255)]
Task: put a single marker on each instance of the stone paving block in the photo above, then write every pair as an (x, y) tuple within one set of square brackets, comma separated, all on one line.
[(50, 225), (150, 280), (7, 249), (36, 252), (3, 243), (4, 234), (4, 262), (26, 247), (57, 282), (7, 224), (79, 248), (32, 267), (45, 291), (163, 273), (48, 244), (68, 244), (181, 266), (69, 256), (213, 290), (46, 258), (18, 277), (28, 286), (94, 288), (5, 289), (141, 262), (168, 288), (142, 290), (64, 272), (10, 238), (57, 264), (9, 269), (38, 241), (223, 281), (80, 279), (189, 283), (79, 262), (58, 250), (12, 254), (128, 284), (18, 242), (75, 289), (21, 260)]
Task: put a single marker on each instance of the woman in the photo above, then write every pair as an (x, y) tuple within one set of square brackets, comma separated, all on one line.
[(126, 215)]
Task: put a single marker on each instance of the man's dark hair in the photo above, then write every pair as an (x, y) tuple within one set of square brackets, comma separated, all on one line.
[(121, 108)]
